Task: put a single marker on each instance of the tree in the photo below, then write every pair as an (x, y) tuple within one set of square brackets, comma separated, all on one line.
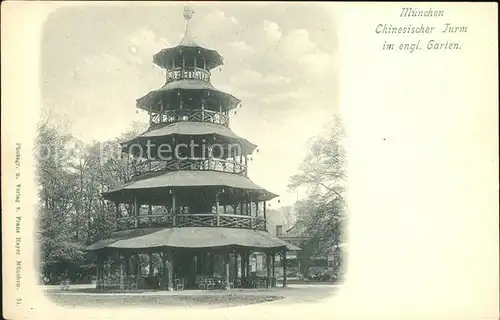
[(71, 211), (56, 208), (321, 216)]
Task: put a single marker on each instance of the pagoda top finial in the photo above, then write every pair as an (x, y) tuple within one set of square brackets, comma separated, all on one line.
[(188, 12), (188, 40), (165, 56)]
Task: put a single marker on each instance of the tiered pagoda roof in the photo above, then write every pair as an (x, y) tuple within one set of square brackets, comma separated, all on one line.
[(194, 201), (188, 45), (191, 237)]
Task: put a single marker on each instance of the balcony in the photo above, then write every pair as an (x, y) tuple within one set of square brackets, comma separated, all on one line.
[(192, 220), (213, 164), (192, 115), (188, 72)]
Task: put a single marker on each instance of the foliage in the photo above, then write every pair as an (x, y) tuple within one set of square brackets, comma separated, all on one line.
[(321, 215), (71, 176)]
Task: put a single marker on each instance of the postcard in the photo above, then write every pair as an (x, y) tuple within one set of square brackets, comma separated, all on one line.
[(244, 160)]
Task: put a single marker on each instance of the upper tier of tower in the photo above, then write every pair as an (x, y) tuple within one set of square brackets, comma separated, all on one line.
[(187, 88), (188, 54)]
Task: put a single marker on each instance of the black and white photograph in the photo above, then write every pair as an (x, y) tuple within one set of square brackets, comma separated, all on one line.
[(249, 160), (193, 152)]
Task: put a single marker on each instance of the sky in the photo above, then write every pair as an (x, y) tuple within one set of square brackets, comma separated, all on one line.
[(280, 60)]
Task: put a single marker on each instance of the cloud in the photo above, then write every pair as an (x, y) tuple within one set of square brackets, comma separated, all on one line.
[(252, 79), (241, 45), (218, 16), (246, 77), (299, 94), (299, 49), (273, 30), (276, 79), (137, 50), (121, 76), (143, 44), (298, 41)]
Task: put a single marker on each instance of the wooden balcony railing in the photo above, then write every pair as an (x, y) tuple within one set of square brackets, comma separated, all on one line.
[(189, 164), (188, 73), (194, 115), (192, 220)]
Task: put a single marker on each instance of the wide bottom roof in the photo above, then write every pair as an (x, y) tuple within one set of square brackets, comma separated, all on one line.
[(194, 178), (191, 237)]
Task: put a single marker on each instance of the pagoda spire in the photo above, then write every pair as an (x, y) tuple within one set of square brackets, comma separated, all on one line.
[(188, 39)]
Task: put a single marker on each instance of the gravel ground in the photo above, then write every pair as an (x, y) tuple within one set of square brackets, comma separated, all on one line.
[(81, 297), (164, 300)]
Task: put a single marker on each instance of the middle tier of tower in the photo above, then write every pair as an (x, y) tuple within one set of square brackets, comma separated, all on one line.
[(188, 145), (188, 100)]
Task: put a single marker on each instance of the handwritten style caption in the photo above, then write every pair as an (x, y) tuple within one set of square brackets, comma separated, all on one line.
[(433, 34)]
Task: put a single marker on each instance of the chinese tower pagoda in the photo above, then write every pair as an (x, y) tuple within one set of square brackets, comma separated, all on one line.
[(188, 216)]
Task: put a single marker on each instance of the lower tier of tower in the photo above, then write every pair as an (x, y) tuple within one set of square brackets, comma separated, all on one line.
[(187, 258)]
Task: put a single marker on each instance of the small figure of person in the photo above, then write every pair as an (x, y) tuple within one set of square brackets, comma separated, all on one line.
[(64, 282)]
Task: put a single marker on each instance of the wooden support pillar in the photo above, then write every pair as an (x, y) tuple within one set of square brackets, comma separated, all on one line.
[(150, 207), (150, 115), (167, 276), (212, 262), (217, 209), (199, 263), (226, 271), (99, 270), (268, 264), (126, 260), (122, 271), (265, 217), (235, 265), (104, 269), (203, 110), (242, 268), (170, 264), (273, 261), (161, 111), (137, 211), (150, 256), (128, 175), (174, 209), (283, 262), (118, 216), (164, 280), (247, 265), (137, 269), (241, 203)]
